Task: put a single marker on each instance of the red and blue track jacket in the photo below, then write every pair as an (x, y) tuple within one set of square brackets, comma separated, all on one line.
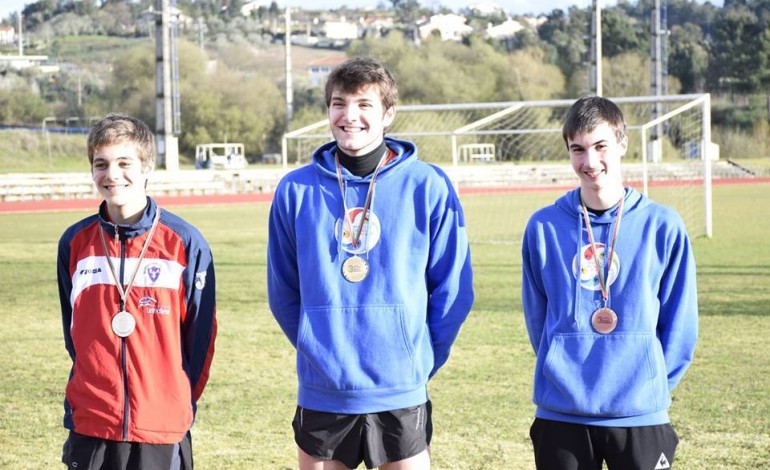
[(144, 387)]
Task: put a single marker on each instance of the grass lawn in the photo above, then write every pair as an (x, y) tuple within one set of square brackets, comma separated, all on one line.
[(482, 406)]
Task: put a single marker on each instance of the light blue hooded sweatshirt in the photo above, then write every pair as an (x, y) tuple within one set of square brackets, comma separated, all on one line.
[(623, 378), (369, 346)]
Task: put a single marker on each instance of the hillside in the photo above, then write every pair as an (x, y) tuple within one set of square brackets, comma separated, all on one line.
[(266, 58)]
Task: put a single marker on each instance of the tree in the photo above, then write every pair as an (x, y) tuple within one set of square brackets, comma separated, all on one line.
[(21, 104), (215, 106), (566, 34), (406, 10), (740, 52), (688, 57), (622, 33), (35, 14)]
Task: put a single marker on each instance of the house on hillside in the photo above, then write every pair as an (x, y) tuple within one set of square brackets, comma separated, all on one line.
[(7, 35), (318, 71), (376, 26), (336, 33), (449, 27), (250, 7), (505, 30)]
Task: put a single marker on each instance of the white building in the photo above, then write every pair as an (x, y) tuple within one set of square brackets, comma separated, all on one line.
[(254, 5), (508, 29), (7, 35), (339, 30), (449, 27)]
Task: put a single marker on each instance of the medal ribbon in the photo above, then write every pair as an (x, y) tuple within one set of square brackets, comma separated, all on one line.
[(354, 238), (603, 284), (124, 292)]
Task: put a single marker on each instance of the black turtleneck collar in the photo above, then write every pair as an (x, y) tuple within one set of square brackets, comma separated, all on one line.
[(364, 164)]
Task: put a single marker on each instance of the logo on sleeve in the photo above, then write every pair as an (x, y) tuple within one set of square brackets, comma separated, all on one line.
[(200, 280)]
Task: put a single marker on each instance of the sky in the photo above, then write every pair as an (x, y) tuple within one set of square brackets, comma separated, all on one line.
[(517, 7)]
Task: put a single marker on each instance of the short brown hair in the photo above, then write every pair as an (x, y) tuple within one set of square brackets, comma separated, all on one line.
[(587, 113), (357, 73), (116, 128)]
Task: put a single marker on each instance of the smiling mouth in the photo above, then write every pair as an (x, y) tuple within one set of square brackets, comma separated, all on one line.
[(115, 187)]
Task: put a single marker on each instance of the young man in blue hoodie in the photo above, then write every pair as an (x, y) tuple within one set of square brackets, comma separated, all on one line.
[(611, 309), (369, 277)]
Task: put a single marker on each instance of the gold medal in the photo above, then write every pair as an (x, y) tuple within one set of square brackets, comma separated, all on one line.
[(355, 269), (123, 324), (604, 320)]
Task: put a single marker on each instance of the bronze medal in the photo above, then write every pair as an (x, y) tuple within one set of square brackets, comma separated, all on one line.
[(355, 269), (604, 320), (123, 324)]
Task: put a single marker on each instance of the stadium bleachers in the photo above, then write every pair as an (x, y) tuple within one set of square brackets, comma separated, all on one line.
[(38, 186)]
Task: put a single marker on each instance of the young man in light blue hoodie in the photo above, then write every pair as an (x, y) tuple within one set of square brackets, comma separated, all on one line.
[(369, 277), (611, 309)]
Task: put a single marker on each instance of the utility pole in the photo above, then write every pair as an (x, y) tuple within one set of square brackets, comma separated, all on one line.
[(21, 38), (200, 32), (166, 141), (656, 80), (596, 50), (289, 88)]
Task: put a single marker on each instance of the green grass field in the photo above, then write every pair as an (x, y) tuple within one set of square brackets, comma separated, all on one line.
[(482, 407)]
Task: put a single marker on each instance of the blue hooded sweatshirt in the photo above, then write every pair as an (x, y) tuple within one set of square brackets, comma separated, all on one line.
[(368, 346), (623, 378)]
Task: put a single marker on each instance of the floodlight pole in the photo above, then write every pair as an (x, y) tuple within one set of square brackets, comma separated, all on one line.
[(166, 141), (289, 87), (656, 68), (596, 50)]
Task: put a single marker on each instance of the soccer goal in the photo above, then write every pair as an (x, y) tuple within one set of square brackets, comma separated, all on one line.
[(670, 154)]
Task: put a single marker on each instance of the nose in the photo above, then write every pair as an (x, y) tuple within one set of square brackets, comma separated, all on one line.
[(352, 113), (592, 156), (113, 170)]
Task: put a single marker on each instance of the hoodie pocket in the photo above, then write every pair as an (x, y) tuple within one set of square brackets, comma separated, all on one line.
[(357, 348), (605, 375)]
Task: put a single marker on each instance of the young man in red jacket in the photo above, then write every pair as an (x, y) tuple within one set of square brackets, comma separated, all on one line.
[(137, 292)]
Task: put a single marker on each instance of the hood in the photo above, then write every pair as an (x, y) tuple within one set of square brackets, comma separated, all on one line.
[(570, 203), (323, 160)]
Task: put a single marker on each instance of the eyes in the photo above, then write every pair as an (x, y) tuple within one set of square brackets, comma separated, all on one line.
[(123, 164), (599, 147), (343, 105)]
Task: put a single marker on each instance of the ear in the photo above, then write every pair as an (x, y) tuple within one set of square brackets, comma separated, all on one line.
[(623, 145), (389, 117)]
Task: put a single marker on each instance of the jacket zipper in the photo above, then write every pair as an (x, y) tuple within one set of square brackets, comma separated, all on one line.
[(123, 367)]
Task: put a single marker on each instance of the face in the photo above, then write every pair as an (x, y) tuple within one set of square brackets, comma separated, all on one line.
[(118, 175), (595, 157), (358, 120)]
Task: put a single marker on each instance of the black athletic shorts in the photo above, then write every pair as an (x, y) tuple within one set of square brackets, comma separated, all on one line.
[(569, 446), (374, 438), (92, 453)]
